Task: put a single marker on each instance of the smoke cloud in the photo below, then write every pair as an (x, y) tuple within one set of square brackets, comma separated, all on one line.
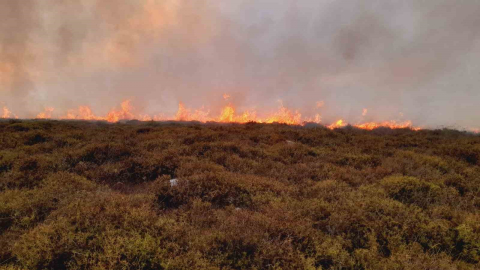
[(401, 59)]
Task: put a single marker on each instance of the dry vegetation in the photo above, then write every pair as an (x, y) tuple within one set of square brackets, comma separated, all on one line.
[(78, 195)]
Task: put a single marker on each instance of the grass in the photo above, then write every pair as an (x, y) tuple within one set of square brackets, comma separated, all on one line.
[(91, 195)]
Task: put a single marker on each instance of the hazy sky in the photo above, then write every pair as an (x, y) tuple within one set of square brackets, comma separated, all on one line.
[(418, 58)]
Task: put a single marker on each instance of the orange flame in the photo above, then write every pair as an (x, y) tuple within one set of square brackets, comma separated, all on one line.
[(285, 116), (339, 124), (317, 119), (46, 114), (123, 114), (184, 114), (83, 113), (389, 124), (86, 113), (7, 113), (228, 114)]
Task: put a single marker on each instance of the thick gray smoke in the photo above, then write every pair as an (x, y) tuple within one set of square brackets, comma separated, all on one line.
[(419, 59)]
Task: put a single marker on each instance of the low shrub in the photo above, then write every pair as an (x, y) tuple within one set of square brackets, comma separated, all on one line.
[(410, 190), (94, 195), (219, 189)]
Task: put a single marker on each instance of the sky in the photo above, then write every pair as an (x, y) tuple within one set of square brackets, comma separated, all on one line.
[(400, 59)]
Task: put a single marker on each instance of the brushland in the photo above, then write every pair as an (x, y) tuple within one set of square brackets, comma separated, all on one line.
[(91, 195)]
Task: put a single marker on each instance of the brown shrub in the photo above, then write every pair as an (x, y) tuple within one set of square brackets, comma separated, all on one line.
[(93, 195)]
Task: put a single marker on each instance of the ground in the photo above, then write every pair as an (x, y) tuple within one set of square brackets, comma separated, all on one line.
[(93, 195)]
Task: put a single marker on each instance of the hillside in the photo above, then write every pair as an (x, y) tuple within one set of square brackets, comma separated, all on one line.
[(92, 195)]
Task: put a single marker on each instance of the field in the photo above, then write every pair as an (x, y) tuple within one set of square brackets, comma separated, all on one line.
[(92, 195)]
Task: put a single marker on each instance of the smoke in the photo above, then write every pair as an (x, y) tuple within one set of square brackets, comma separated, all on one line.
[(401, 59)]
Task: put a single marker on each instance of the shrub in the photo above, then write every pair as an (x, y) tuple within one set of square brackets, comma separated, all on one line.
[(410, 190), (218, 189), (95, 231), (35, 137), (94, 195), (27, 208)]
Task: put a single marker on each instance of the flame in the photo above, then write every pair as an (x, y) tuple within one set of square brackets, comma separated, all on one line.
[(46, 114), (389, 124), (285, 116), (83, 113), (86, 113), (228, 114), (339, 124), (184, 114), (248, 116), (317, 119), (7, 113), (123, 114)]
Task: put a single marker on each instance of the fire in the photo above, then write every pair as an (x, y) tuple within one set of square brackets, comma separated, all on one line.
[(84, 113), (389, 124), (339, 124), (123, 114), (317, 119), (184, 114), (285, 116), (46, 114), (228, 114), (249, 117), (7, 113)]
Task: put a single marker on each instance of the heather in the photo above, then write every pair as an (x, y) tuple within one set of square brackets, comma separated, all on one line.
[(93, 195)]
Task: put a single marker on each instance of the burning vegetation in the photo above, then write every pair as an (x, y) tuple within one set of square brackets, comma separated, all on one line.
[(228, 114), (157, 195)]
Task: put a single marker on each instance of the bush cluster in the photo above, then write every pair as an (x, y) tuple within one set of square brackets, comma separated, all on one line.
[(92, 195)]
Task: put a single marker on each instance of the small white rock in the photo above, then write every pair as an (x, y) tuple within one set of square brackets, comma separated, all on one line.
[(173, 182)]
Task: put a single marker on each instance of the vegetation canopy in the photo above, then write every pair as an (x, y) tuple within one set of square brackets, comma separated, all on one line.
[(92, 195)]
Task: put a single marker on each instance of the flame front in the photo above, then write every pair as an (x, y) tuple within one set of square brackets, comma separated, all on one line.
[(228, 114), (389, 124)]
